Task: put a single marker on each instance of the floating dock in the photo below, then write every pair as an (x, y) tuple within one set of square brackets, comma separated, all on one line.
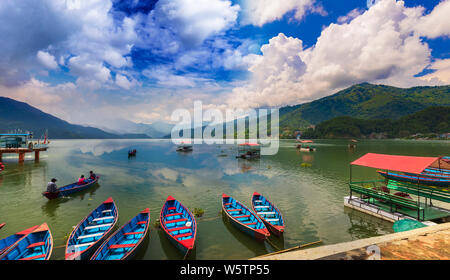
[(428, 243), (382, 211)]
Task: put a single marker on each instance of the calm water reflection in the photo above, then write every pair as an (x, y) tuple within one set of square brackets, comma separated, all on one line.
[(310, 197)]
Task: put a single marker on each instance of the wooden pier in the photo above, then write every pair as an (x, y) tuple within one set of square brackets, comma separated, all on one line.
[(22, 152)]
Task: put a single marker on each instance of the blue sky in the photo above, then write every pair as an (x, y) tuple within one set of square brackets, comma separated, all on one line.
[(139, 60)]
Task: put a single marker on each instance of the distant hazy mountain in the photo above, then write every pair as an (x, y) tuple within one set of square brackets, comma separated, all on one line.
[(16, 115), (365, 101), (154, 130)]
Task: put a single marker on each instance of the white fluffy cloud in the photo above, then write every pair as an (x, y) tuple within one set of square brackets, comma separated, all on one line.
[(437, 23), (47, 60), (382, 45), (441, 74), (260, 12)]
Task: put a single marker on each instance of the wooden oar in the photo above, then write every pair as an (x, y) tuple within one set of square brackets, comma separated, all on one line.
[(292, 249)]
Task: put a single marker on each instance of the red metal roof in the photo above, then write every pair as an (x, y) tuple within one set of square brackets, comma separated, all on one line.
[(395, 163), (249, 144)]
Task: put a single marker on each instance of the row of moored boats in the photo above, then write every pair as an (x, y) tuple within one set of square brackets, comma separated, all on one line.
[(94, 237)]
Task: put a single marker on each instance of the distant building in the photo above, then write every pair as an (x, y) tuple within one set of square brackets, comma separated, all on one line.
[(16, 140)]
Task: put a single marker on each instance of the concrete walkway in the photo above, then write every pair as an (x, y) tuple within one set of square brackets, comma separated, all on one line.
[(429, 243)]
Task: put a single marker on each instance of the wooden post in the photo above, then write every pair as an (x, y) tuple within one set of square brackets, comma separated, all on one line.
[(36, 156), (21, 157)]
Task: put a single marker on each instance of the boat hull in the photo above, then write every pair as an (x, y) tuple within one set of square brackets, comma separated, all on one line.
[(35, 245), (11, 240), (278, 230), (174, 219), (430, 181), (257, 229), (92, 231), (69, 189), (134, 232)]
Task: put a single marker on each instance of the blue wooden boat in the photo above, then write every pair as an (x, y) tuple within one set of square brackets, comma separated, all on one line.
[(437, 172), (70, 189), (421, 179), (179, 225), (268, 213), (125, 242), (244, 219), (92, 231), (36, 245), (11, 240)]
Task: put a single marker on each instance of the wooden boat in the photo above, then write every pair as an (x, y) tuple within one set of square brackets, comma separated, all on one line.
[(92, 231), (185, 147), (268, 213), (244, 219), (70, 189), (36, 245), (132, 153), (421, 179), (11, 240), (2, 225), (125, 242), (179, 225)]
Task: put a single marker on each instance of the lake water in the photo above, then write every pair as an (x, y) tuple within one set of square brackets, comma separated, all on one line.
[(309, 196)]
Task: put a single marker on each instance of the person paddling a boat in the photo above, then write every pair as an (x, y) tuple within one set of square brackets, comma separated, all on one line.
[(51, 186), (81, 180), (92, 175)]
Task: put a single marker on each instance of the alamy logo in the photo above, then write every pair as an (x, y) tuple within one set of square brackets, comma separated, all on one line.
[(229, 127)]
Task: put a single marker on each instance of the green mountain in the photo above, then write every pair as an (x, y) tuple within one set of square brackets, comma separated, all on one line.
[(15, 115), (364, 101), (432, 120)]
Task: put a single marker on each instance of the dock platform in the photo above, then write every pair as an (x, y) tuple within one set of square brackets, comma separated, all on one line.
[(22, 152), (382, 211)]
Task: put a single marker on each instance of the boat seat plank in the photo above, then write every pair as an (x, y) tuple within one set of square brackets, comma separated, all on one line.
[(37, 244), (174, 214), (249, 224), (266, 213), (83, 245), (175, 221), (32, 258), (258, 201), (262, 206), (98, 226), (120, 246), (90, 235), (141, 223), (272, 220), (183, 235), (133, 233), (243, 216), (234, 210), (178, 228), (172, 208), (106, 211), (103, 218)]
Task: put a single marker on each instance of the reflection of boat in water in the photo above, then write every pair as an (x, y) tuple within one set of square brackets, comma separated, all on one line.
[(249, 151), (185, 147)]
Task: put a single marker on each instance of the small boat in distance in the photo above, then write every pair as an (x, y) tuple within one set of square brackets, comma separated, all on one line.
[(2, 225), (179, 225), (36, 245), (92, 231), (2, 167), (11, 240), (125, 242), (70, 189), (306, 146), (132, 153), (242, 218), (268, 213), (185, 147), (249, 151)]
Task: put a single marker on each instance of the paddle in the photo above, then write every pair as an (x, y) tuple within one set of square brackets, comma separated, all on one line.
[(292, 249)]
